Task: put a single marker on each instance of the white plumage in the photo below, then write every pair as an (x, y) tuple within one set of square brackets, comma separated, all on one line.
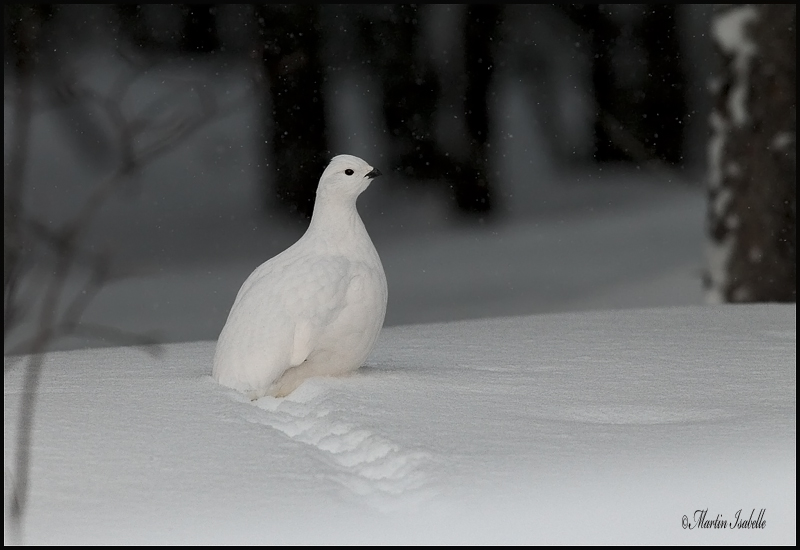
[(316, 308)]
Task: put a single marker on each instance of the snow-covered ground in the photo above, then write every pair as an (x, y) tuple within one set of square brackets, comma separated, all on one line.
[(602, 427)]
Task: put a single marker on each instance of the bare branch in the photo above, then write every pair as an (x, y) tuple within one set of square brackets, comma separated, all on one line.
[(158, 129)]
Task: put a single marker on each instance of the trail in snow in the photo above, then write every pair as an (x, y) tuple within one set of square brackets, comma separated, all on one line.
[(376, 470)]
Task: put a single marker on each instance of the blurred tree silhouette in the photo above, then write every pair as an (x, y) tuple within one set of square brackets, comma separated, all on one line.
[(291, 36), (41, 254), (412, 92), (24, 28), (134, 25), (637, 75), (641, 106), (199, 33), (480, 33), (664, 107), (753, 157)]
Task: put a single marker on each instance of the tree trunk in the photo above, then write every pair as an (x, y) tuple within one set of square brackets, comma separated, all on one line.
[(642, 119), (410, 88), (472, 187), (299, 145), (664, 107), (603, 35), (133, 24), (752, 157), (199, 33)]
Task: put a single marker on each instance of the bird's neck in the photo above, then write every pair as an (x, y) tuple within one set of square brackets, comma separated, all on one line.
[(336, 221)]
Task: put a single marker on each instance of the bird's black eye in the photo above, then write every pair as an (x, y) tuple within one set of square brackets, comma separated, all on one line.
[(348, 172)]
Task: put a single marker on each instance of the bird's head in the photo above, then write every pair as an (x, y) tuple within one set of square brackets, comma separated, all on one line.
[(346, 176)]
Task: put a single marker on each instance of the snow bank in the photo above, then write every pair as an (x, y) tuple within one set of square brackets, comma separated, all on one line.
[(572, 428)]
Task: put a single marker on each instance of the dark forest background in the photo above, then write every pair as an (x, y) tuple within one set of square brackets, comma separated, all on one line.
[(609, 86), (637, 102)]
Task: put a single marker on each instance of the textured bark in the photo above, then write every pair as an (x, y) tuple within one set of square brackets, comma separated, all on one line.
[(299, 146), (753, 167)]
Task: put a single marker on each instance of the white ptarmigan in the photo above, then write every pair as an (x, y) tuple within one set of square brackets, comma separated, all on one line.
[(316, 308)]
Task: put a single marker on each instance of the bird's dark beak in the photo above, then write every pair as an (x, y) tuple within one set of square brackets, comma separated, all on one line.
[(374, 174)]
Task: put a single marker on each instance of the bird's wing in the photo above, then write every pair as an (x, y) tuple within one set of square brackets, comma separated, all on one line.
[(310, 288), (278, 316), (317, 299), (271, 270)]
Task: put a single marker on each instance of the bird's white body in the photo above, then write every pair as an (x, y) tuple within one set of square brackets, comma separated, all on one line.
[(316, 308)]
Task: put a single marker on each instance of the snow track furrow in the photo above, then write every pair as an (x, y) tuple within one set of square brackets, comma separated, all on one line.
[(369, 465)]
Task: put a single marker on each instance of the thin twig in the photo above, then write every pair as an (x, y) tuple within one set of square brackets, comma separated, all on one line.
[(59, 315)]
